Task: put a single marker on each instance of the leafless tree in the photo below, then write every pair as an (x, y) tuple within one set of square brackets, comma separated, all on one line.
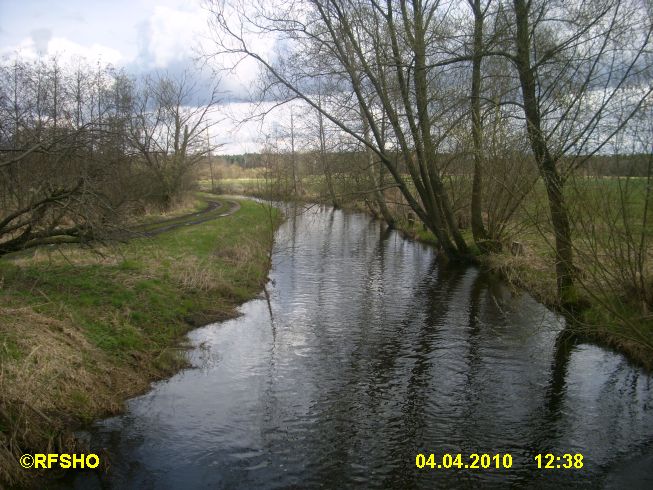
[(581, 68), (60, 181), (168, 130), (381, 57), (574, 73)]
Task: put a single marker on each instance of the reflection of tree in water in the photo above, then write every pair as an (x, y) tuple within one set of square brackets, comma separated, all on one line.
[(346, 405), (555, 393), (339, 436), (612, 412), (473, 357), (364, 420)]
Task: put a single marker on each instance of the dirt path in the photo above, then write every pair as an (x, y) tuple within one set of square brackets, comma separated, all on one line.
[(213, 210)]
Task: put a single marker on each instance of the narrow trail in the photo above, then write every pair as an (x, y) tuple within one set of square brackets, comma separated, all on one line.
[(214, 210)]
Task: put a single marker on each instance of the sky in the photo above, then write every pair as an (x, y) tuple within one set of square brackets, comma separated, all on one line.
[(138, 35)]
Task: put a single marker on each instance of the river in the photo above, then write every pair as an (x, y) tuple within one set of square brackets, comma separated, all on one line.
[(368, 354)]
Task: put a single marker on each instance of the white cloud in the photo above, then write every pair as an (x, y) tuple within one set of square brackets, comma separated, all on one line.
[(234, 133), (67, 48), (245, 127), (64, 49)]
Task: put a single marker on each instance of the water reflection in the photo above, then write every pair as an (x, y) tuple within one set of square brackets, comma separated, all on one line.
[(368, 353)]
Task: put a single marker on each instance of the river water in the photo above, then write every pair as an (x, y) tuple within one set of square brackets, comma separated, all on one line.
[(368, 354)]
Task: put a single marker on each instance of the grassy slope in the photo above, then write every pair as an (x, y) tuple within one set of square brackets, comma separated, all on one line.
[(80, 332)]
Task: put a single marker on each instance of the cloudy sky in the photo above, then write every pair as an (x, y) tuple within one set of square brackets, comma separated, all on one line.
[(139, 35)]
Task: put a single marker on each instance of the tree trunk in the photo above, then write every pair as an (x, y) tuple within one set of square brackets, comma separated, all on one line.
[(478, 228), (292, 155), (376, 192), (323, 155), (545, 161), (439, 201)]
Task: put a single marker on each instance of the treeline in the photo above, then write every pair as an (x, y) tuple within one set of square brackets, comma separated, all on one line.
[(616, 165), (83, 149)]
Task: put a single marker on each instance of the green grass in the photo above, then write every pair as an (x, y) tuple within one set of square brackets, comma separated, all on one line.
[(138, 302)]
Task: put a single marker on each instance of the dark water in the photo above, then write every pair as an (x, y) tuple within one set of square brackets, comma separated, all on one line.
[(374, 354)]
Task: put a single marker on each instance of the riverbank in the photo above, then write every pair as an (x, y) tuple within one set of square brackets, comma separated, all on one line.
[(81, 331), (603, 315), (608, 321)]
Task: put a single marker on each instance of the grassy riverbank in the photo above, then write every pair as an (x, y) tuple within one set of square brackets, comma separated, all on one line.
[(81, 330)]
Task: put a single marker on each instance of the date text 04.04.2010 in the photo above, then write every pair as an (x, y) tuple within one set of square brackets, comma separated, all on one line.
[(460, 461)]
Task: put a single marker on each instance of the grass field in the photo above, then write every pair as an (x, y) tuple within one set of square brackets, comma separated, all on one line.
[(82, 330)]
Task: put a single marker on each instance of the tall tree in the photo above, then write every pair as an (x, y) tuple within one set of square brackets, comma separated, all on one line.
[(478, 228), (381, 54), (579, 66), (168, 128)]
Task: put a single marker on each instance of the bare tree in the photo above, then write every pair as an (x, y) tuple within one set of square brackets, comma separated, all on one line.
[(323, 151), (576, 74), (478, 228), (580, 66), (381, 56), (168, 128), (60, 178)]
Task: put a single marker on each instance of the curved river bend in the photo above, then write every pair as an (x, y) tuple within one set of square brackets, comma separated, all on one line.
[(373, 354)]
